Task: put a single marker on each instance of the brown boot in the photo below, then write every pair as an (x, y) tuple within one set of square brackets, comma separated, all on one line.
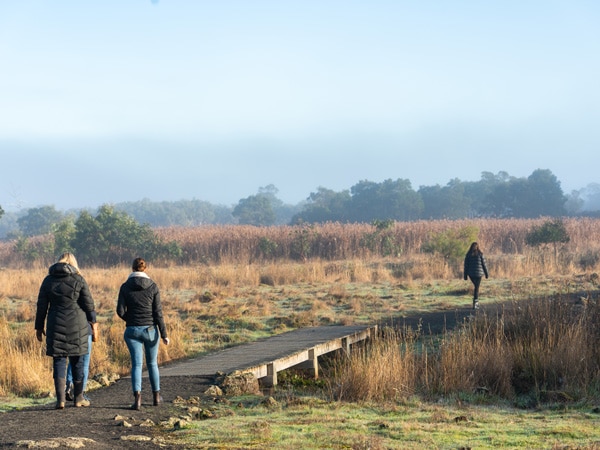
[(137, 401), (80, 400), (60, 385), (157, 398)]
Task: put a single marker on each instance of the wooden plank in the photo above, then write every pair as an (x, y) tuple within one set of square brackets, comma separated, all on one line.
[(265, 357)]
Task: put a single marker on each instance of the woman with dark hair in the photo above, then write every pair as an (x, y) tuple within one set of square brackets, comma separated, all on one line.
[(475, 269), (65, 301), (139, 306)]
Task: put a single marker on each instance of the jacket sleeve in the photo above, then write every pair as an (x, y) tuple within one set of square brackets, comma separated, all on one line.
[(157, 314), (121, 306), (42, 307), (485, 271), (466, 267)]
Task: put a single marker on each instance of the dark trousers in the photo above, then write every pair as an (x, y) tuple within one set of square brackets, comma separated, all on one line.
[(476, 282), (59, 364)]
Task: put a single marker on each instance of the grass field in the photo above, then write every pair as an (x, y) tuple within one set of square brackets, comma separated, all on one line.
[(211, 306)]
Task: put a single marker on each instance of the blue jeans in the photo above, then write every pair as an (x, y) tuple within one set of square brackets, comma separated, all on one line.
[(143, 341), (86, 366)]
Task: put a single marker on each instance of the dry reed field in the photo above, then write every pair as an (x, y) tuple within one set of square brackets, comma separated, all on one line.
[(238, 283)]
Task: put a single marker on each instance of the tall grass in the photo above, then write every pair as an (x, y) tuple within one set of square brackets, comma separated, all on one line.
[(543, 350), (387, 368), (218, 297), (241, 244)]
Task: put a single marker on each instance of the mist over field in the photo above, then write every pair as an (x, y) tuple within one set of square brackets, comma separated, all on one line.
[(117, 102)]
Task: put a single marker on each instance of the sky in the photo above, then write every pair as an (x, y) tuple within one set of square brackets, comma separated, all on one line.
[(103, 102)]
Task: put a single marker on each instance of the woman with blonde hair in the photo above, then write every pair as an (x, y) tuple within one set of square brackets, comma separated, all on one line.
[(66, 306)]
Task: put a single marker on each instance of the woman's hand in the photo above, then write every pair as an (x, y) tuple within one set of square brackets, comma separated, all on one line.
[(166, 341), (39, 335), (95, 332)]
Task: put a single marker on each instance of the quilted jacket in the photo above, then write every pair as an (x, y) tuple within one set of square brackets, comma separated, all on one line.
[(475, 266), (66, 305)]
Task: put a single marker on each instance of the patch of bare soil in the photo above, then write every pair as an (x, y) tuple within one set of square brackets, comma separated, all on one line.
[(108, 423)]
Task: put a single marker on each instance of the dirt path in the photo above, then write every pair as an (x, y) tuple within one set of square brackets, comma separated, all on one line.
[(102, 422), (101, 425)]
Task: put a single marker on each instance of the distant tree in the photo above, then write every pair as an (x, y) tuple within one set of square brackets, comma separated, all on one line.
[(113, 237), (538, 195), (39, 221), (183, 212), (591, 197), (255, 210), (448, 202), (391, 199), (574, 203), (545, 196), (64, 234), (325, 205), (479, 191), (283, 213)]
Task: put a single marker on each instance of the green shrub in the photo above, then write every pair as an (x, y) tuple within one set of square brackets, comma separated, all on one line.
[(451, 244)]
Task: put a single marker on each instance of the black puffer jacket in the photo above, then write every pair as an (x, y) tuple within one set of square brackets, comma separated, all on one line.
[(475, 266), (139, 303), (66, 301)]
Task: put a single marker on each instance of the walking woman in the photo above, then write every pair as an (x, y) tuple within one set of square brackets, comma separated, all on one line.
[(475, 269), (139, 306), (66, 305)]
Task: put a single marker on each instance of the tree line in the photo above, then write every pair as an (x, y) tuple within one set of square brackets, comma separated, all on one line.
[(494, 195)]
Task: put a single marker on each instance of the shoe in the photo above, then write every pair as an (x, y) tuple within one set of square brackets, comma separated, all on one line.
[(137, 401), (475, 304), (157, 398), (59, 386), (81, 401), (69, 393)]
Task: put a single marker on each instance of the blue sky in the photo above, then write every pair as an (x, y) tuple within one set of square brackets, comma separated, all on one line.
[(120, 100)]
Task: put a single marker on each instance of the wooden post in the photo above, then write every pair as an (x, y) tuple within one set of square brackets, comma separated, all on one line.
[(312, 357), (346, 346), (373, 332), (271, 379)]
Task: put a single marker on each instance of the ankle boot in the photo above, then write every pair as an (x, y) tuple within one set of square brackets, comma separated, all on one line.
[(137, 401), (80, 400), (157, 398), (59, 386)]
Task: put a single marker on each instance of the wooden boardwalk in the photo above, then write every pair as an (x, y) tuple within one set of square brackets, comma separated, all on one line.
[(265, 357)]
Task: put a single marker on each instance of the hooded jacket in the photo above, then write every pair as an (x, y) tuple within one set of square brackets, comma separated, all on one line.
[(139, 303), (67, 304)]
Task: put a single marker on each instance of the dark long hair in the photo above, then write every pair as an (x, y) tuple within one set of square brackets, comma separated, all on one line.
[(474, 249)]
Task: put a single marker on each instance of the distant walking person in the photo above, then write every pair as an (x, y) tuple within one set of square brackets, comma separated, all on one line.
[(65, 301), (139, 306), (475, 269)]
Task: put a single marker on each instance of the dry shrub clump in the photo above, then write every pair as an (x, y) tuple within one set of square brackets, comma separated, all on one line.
[(386, 368), (545, 350), (23, 376)]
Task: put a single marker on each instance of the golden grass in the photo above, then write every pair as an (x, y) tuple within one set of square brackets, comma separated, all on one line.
[(229, 292)]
